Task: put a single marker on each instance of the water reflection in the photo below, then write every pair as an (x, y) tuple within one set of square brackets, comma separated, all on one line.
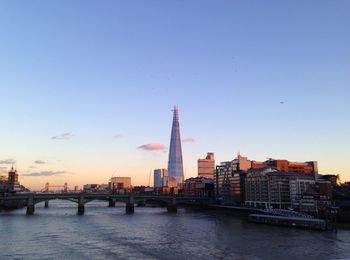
[(152, 233)]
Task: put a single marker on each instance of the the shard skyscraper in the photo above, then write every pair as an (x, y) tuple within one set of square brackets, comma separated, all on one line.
[(175, 167)]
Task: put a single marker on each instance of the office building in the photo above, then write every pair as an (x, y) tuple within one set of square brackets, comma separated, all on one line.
[(229, 179), (175, 166), (268, 187), (160, 178), (199, 187), (120, 183), (287, 166), (230, 176), (206, 167)]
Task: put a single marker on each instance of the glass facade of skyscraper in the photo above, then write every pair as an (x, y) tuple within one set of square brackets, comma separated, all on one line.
[(175, 165)]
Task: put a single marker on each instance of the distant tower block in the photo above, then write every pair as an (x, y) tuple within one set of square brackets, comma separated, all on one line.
[(206, 166), (175, 166)]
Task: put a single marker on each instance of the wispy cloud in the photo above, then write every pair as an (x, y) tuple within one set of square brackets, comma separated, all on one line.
[(64, 136), (117, 136), (188, 140), (32, 167), (40, 162), (8, 161), (152, 147), (44, 173)]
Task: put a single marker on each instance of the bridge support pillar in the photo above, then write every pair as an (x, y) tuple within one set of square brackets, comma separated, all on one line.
[(30, 205), (81, 209), (81, 206), (172, 207), (111, 203), (46, 204), (30, 210), (130, 207)]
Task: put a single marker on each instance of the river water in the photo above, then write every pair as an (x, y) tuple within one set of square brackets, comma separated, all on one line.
[(152, 233)]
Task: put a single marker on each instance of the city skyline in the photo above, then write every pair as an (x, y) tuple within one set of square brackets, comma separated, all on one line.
[(88, 97)]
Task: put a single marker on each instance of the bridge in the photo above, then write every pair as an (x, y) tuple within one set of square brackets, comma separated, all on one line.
[(31, 199)]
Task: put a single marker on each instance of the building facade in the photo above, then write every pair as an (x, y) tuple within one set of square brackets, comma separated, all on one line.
[(229, 179), (206, 167), (11, 184), (160, 178), (93, 187), (199, 187), (230, 183), (287, 166), (269, 188), (120, 183), (175, 165)]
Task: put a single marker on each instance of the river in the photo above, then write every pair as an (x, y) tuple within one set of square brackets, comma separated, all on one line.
[(152, 233)]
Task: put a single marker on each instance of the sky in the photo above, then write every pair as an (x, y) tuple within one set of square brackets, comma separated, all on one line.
[(87, 87)]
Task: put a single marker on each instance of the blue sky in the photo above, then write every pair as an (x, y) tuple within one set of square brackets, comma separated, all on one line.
[(96, 69)]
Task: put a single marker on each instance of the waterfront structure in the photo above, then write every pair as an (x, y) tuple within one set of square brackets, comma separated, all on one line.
[(206, 167), (199, 187), (175, 166), (267, 187), (229, 179), (310, 167), (160, 178), (230, 176), (11, 184), (120, 183)]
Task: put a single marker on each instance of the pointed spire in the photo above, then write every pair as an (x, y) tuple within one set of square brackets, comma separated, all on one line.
[(175, 114), (175, 166)]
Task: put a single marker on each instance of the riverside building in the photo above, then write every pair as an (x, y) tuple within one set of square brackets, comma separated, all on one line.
[(199, 187), (230, 177), (269, 188), (11, 184), (206, 167), (120, 183)]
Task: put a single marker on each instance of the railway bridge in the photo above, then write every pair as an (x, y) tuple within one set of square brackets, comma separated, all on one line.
[(31, 199)]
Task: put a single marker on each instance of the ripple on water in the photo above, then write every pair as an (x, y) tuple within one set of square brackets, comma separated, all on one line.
[(152, 233)]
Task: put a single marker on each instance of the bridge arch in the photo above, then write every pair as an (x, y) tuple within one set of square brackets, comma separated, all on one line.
[(161, 202), (37, 201), (88, 200)]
